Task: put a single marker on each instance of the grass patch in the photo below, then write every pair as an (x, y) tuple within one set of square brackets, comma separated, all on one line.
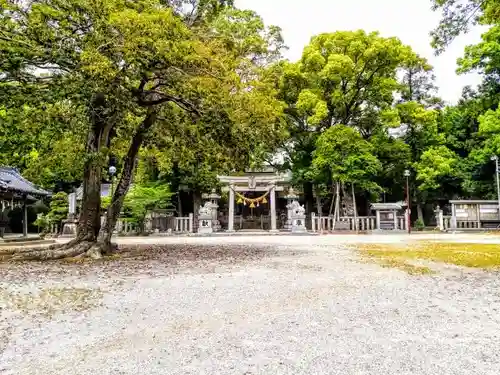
[(51, 301), (484, 256), (400, 264)]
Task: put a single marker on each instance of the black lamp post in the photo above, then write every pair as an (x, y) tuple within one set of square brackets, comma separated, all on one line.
[(112, 172), (408, 207), (495, 159)]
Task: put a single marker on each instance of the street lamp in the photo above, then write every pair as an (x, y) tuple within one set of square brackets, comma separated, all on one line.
[(408, 207), (112, 172), (495, 158)]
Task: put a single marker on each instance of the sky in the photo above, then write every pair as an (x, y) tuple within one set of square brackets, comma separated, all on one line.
[(409, 20)]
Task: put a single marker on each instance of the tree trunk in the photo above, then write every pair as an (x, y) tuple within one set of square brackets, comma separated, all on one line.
[(355, 208), (197, 202), (420, 213), (337, 202), (308, 197), (179, 203), (319, 205), (129, 163), (334, 194), (318, 201), (90, 220)]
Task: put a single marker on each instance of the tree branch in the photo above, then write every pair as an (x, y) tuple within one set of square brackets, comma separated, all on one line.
[(182, 103)]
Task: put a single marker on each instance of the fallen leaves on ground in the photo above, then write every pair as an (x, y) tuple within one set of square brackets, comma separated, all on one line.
[(143, 259)]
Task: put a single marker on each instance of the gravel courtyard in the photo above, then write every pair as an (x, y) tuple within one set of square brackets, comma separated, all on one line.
[(247, 305)]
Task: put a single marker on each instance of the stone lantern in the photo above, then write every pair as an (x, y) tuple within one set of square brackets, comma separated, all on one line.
[(213, 200), (292, 202)]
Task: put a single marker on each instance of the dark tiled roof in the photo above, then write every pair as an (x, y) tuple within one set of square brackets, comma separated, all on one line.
[(11, 180), (388, 206)]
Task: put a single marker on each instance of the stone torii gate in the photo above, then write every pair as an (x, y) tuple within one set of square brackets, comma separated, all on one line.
[(255, 182)]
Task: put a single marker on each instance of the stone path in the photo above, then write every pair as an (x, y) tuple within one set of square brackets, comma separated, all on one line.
[(301, 305)]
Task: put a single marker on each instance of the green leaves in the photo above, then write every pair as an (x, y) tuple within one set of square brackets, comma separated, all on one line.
[(342, 92), (200, 64), (457, 16), (347, 157), (310, 106), (435, 164), (489, 127), (58, 208), (342, 72), (145, 197), (484, 56)]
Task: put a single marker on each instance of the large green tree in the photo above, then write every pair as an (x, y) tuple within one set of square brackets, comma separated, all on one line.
[(471, 125), (131, 65), (346, 158), (343, 78)]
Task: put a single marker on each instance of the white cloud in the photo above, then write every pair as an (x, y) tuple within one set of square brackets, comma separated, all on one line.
[(409, 20)]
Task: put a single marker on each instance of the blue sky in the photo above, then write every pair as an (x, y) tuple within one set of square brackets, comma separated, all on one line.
[(409, 20)]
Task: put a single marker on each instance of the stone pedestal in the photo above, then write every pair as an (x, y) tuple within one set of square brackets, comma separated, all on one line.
[(205, 219), (299, 219), (70, 228), (70, 225)]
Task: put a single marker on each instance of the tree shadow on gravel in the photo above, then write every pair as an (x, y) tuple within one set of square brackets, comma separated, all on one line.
[(152, 260)]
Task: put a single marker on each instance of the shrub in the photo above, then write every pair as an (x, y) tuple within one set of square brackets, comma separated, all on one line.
[(419, 225)]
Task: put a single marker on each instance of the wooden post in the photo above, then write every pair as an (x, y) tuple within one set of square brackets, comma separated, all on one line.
[(355, 208), (273, 209), (337, 204), (478, 214), (25, 217), (230, 224)]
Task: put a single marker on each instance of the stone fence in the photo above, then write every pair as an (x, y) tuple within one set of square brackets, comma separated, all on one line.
[(153, 224), (328, 223), (349, 223)]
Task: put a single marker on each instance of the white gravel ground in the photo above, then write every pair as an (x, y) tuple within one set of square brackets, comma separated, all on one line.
[(315, 311)]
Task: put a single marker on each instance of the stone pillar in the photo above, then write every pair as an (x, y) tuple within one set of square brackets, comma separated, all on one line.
[(478, 214), (71, 206), (69, 227), (377, 213), (230, 224), (272, 195), (395, 213), (148, 225), (191, 223), (453, 217), (288, 225), (439, 218)]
